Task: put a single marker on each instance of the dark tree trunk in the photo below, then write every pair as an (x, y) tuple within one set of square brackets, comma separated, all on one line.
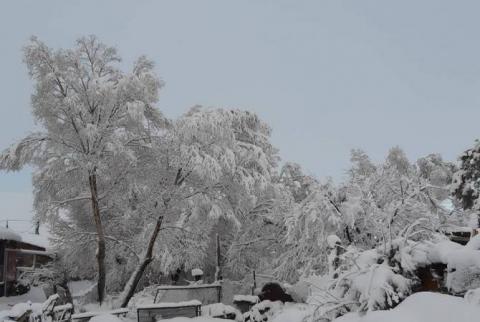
[(132, 283), (92, 179), (347, 233)]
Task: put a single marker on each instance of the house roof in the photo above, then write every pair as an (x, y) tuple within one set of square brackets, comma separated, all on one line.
[(8, 234), (27, 238), (36, 240)]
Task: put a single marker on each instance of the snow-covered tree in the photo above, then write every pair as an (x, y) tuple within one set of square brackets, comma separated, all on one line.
[(298, 183), (93, 117), (395, 195), (211, 164), (372, 207), (466, 181), (308, 225), (112, 172)]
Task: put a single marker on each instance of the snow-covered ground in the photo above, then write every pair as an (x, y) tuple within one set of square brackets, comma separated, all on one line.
[(36, 294), (422, 307)]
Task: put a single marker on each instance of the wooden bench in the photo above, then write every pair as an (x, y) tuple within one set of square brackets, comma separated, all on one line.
[(205, 293), (160, 311), (85, 317)]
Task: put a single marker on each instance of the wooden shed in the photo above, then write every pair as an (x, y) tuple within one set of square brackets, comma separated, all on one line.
[(19, 253)]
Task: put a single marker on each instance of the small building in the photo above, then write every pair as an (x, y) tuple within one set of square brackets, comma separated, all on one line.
[(20, 253)]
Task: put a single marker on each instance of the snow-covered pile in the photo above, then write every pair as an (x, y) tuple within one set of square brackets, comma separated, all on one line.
[(473, 296), (464, 267), (221, 310), (35, 294), (277, 312), (422, 307), (463, 263)]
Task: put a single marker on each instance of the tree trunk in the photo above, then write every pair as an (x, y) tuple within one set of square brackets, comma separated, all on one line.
[(218, 271), (347, 232), (132, 283), (92, 179)]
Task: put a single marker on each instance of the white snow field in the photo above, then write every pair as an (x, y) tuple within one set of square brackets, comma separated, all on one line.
[(422, 307)]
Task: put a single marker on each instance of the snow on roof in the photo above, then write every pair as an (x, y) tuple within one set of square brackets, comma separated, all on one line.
[(36, 240), (8, 234), (28, 238)]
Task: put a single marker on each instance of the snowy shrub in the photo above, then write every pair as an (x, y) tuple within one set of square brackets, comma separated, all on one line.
[(369, 280), (369, 284)]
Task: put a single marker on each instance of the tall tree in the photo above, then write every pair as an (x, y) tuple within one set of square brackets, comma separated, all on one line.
[(93, 116), (210, 165)]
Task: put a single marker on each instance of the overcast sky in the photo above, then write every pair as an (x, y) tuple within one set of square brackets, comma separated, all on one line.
[(327, 76)]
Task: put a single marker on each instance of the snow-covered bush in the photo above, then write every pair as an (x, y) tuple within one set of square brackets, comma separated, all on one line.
[(368, 280), (382, 277), (365, 282)]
